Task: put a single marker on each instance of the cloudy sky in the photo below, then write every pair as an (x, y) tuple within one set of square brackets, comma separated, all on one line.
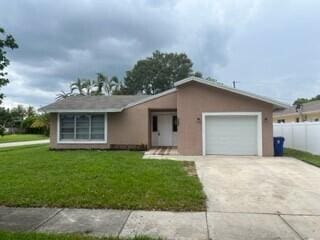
[(269, 47)]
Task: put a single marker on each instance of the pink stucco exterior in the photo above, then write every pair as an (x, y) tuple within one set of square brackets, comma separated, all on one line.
[(195, 98), (132, 125), (129, 127)]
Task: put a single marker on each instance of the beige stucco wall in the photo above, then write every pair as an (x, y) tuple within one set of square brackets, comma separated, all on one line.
[(195, 98), (130, 126)]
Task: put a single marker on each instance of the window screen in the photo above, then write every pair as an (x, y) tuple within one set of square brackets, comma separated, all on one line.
[(97, 127), (82, 126), (67, 126)]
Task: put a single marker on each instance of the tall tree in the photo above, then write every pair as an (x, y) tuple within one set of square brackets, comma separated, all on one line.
[(89, 86), (106, 85), (62, 95), (42, 122), (30, 111), (5, 118), (99, 83), (121, 89), (78, 86), (102, 85), (6, 41), (18, 114), (111, 85), (158, 73), (300, 101)]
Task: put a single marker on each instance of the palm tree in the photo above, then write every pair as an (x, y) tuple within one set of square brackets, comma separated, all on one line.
[(88, 85), (63, 95), (99, 83), (30, 111), (78, 85), (110, 85)]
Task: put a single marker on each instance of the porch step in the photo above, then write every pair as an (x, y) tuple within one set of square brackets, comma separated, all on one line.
[(162, 151)]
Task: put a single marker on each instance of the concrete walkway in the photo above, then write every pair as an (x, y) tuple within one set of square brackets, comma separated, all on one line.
[(23, 143), (168, 225)]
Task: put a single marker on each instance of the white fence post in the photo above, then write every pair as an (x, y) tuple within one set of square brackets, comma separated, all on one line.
[(303, 136)]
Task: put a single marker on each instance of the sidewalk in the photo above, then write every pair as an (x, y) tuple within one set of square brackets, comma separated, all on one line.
[(123, 223), (167, 225), (23, 143)]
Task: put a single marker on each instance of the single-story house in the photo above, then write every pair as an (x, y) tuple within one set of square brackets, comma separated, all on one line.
[(309, 112), (197, 116)]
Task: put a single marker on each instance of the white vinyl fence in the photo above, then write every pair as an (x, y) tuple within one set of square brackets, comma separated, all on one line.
[(303, 136)]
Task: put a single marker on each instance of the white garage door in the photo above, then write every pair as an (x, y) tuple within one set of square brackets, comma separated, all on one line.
[(231, 135)]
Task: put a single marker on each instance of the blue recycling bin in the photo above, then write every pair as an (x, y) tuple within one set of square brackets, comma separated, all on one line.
[(278, 146)]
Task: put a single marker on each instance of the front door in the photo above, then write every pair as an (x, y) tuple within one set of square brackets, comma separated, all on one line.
[(165, 130)]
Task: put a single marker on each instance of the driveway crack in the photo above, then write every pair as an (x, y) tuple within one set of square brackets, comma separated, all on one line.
[(207, 225), (291, 227)]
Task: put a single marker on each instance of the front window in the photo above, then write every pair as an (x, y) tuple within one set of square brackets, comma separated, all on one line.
[(82, 127)]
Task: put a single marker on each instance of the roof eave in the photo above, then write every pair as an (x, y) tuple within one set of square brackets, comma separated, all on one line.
[(81, 110)]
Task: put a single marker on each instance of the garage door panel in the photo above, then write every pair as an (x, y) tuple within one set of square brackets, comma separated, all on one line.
[(231, 135)]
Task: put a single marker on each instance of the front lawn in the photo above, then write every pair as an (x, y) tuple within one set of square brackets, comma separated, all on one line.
[(43, 236), (34, 176), (21, 137), (304, 156)]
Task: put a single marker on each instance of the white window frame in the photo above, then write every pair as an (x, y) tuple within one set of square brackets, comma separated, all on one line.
[(259, 127), (103, 141)]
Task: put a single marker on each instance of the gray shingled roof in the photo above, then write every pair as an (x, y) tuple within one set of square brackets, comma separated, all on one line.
[(307, 107), (91, 103)]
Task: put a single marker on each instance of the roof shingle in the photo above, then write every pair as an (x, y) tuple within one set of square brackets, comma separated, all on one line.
[(91, 103)]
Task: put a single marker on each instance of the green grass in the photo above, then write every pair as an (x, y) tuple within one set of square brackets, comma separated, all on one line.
[(34, 176), (304, 156), (21, 137), (43, 236)]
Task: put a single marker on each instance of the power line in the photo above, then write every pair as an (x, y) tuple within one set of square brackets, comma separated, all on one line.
[(234, 84)]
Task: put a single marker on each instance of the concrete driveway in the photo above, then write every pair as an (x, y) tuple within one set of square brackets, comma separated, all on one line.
[(261, 198)]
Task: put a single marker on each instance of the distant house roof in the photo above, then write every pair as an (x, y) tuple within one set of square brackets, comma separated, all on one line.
[(276, 104), (310, 107), (114, 103)]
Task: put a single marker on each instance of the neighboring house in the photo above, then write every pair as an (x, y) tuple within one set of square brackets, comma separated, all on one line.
[(306, 112), (198, 116)]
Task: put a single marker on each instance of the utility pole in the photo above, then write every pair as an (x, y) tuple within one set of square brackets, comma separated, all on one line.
[(234, 83)]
